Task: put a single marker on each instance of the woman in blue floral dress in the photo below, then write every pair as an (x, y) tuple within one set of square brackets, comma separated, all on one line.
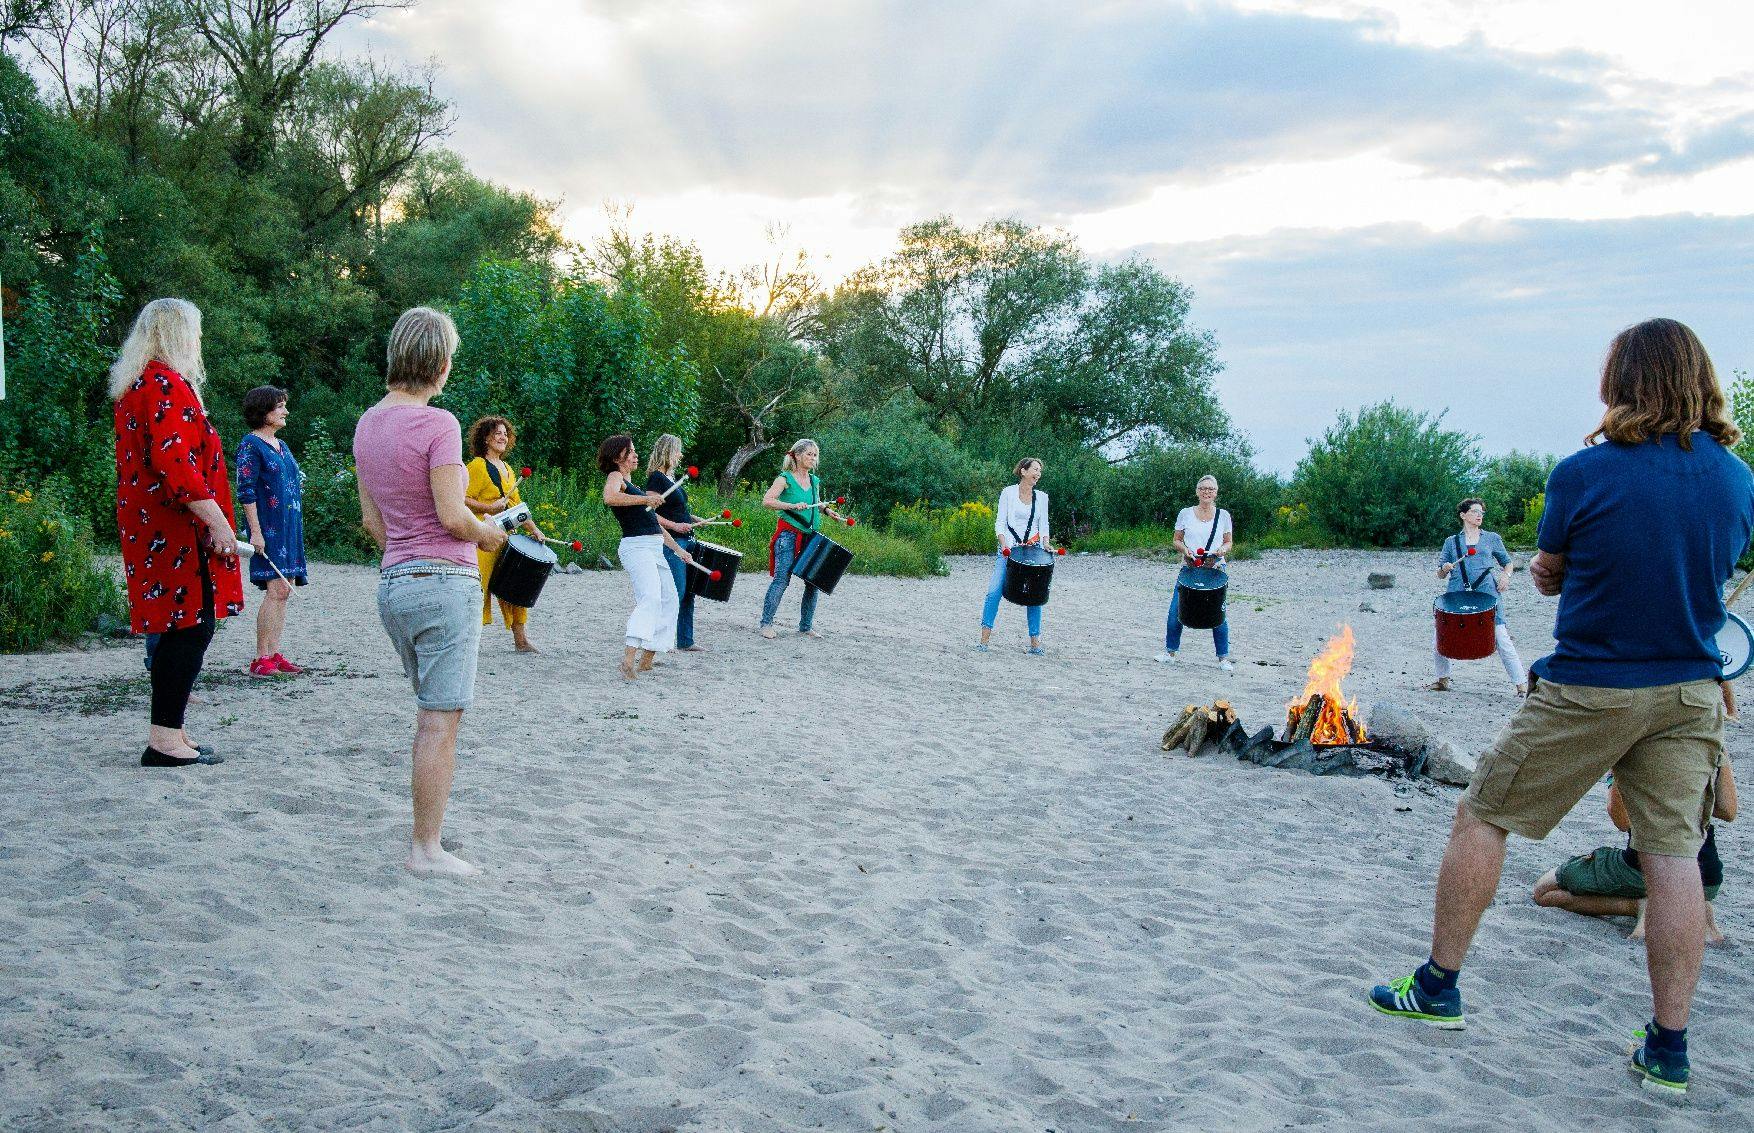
[(271, 491)]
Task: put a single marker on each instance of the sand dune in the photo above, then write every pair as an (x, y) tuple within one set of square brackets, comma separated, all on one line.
[(876, 882)]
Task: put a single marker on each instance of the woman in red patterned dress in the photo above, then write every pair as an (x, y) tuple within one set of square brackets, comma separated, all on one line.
[(173, 513)]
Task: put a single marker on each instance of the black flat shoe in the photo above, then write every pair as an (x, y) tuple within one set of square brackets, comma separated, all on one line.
[(152, 757)]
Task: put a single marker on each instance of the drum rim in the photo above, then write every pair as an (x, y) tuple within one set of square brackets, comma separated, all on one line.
[(1748, 636), (1491, 604), (552, 559)]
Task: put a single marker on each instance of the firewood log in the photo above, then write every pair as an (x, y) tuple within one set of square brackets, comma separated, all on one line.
[(1197, 733), (1306, 723), (1172, 738)]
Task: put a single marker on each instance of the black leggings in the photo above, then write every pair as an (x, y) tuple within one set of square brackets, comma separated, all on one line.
[(176, 661), (175, 665)]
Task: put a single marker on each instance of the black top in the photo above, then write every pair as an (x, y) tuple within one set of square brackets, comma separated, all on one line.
[(675, 508), (634, 518)]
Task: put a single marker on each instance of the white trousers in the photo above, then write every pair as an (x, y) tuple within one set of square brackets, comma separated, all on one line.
[(1507, 655), (652, 625)]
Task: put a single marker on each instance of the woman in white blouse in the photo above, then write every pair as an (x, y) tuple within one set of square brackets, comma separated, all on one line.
[(1203, 537), (1022, 518)]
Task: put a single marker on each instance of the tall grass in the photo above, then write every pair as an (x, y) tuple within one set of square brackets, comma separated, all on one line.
[(51, 589)]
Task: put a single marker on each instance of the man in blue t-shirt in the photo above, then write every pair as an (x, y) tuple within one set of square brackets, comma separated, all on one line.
[(1637, 539)]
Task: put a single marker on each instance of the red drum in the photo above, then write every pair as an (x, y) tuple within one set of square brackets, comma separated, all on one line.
[(1466, 624)]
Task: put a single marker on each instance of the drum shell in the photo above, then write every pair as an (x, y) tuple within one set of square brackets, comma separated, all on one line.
[(822, 563), (520, 570), (1201, 593), (1466, 624), (1029, 573), (1735, 647), (713, 557)]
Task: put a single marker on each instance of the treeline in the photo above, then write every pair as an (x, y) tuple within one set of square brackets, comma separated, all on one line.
[(212, 149)]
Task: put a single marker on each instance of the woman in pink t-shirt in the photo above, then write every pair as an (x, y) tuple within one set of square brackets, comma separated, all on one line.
[(409, 457)]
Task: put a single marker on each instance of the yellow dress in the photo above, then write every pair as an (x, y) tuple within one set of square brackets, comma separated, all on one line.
[(482, 491)]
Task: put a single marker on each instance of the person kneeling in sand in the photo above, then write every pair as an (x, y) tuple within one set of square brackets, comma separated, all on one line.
[(1607, 882)]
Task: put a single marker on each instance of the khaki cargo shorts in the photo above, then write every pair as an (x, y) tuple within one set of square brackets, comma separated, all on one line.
[(1663, 745)]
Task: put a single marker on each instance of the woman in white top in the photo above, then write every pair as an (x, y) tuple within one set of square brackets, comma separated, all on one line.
[(1203, 536), (1022, 518)]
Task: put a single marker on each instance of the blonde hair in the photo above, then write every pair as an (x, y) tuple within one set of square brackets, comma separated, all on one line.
[(421, 347), (666, 451), (1203, 479), (1658, 380), (167, 331), (798, 449)]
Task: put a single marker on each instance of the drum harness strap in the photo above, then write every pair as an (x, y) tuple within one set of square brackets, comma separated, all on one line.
[(1028, 527), (493, 474), (1462, 562)]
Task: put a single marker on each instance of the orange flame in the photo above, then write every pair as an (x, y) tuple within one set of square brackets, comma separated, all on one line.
[(1338, 722)]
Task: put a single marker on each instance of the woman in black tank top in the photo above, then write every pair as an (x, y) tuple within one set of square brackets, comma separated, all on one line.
[(651, 627)]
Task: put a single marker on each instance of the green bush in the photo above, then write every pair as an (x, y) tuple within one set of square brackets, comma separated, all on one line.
[(333, 532), (1511, 481), (1523, 535), (51, 589), (966, 529), (889, 455), (1389, 477), (1153, 539), (1155, 484)]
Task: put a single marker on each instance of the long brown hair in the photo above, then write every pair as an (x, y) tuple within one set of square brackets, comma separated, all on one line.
[(482, 429), (1658, 380)]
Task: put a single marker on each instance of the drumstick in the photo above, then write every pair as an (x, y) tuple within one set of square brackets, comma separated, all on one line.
[(675, 484), (708, 571), (245, 550), (573, 545), (823, 503)]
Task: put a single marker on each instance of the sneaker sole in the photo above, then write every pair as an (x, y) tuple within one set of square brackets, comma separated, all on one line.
[(1662, 1089), (1441, 1022)]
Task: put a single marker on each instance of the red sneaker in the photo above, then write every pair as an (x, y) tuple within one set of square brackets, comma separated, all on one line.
[(282, 665), (264, 667)]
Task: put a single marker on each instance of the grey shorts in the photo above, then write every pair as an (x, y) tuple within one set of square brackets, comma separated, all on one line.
[(434, 621)]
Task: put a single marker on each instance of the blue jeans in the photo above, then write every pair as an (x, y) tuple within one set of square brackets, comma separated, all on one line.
[(1172, 636), (685, 601), (996, 590), (784, 554)]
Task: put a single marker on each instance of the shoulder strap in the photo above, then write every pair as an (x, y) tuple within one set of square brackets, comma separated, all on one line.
[(493, 474), (1212, 535), (1028, 527)]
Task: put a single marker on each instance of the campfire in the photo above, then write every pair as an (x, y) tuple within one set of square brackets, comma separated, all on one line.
[(1322, 715)]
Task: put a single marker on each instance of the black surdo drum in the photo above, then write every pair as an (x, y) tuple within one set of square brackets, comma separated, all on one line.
[(1029, 571), (520, 571), (1201, 591), (713, 557), (822, 563)]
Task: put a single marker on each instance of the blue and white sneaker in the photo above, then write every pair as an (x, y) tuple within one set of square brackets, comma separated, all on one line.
[(1662, 1072), (1405, 999)]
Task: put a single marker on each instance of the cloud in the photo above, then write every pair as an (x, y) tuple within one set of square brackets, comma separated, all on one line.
[(1030, 107), (1504, 324)]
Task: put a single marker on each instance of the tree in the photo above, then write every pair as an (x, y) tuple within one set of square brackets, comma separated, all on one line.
[(975, 322), (1510, 482), (1388, 477), (267, 46)]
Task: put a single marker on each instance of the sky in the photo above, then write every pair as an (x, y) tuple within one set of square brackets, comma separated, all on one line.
[(1454, 203)]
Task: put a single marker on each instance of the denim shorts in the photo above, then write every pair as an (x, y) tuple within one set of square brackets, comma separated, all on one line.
[(434, 621)]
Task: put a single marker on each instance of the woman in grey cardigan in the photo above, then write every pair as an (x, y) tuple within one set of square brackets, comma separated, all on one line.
[(1468, 555)]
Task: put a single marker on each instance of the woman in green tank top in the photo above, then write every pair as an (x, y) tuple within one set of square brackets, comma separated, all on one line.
[(793, 494)]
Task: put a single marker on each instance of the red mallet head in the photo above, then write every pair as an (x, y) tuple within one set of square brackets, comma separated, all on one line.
[(715, 576), (736, 523), (1006, 552), (576, 545), (693, 472), (726, 514), (1059, 550), (1473, 550), (840, 499), (852, 523), (524, 471)]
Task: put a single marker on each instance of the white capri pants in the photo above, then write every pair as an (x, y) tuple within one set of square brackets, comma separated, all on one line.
[(652, 625), (1507, 655)]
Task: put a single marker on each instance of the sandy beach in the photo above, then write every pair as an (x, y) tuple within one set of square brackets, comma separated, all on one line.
[(874, 882)]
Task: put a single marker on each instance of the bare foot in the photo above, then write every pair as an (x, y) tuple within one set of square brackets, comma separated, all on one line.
[(526, 647), (1522, 690), (812, 635), (627, 672), (767, 632), (1441, 684), (438, 863)]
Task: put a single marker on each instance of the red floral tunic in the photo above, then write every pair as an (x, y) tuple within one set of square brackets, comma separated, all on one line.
[(167, 456)]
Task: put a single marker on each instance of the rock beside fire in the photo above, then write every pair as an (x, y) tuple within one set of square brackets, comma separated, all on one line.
[(1438, 758), (1380, 581), (1448, 763)]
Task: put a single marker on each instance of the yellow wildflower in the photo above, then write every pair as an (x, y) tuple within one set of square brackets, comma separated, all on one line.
[(48, 556)]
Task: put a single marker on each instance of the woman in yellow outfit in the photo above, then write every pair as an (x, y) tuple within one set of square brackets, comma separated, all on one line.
[(493, 487)]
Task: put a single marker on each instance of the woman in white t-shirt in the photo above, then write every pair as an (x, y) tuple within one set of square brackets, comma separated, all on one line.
[(1202, 533), (1022, 518)]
